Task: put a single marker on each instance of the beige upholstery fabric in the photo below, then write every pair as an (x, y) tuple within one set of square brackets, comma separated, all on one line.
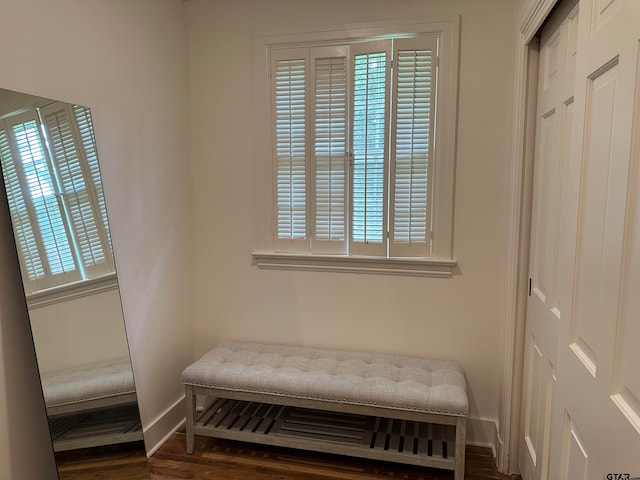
[(391, 381), (88, 382)]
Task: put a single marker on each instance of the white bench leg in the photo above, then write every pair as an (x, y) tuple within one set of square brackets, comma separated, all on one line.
[(191, 415), (461, 433)]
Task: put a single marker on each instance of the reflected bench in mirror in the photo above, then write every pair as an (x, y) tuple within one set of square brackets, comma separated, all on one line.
[(92, 405)]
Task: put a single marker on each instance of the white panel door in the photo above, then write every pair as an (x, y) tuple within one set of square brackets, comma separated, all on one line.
[(598, 388), (582, 379), (554, 122)]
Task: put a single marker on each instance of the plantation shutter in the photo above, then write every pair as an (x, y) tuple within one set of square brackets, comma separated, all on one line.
[(289, 90), (28, 251), (76, 185), (46, 246), (329, 187), (353, 141), (370, 100), (412, 146), (88, 139)]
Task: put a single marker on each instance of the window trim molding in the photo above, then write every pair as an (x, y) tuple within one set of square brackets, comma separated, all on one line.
[(448, 29), (423, 267), (72, 291)]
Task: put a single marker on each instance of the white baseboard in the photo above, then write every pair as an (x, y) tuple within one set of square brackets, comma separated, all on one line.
[(483, 433), (160, 429)]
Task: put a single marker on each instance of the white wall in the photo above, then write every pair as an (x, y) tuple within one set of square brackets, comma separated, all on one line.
[(25, 446), (459, 318), (79, 331), (127, 61)]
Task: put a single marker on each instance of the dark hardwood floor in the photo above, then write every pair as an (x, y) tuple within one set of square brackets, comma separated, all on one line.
[(226, 460), (117, 462)]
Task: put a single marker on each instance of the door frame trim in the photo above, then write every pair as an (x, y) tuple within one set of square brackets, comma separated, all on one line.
[(519, 223)]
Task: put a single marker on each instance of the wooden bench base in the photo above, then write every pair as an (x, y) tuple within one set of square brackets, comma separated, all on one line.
[(423, 439), (96, 428)]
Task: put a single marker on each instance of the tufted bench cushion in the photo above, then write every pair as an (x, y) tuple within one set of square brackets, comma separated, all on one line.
[(391, 381), (99, 384)]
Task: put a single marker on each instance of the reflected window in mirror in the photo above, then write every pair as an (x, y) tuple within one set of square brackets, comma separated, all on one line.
[(51, 174)]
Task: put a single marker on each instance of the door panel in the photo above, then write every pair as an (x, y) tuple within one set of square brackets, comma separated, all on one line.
[(575, 457), (598, 244), (626, 380), (535, 416)]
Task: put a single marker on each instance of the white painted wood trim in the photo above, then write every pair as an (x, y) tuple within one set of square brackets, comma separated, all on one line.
[(72, 291), (515, 291), (164, 426), (354, 264), (533, 19), (511, 336), (481, 432)]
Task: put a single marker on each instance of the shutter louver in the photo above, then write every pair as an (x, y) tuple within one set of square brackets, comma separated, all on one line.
[(330, 139), (44, 201), (23, 230), (88, 139), (74, 187), (290, 149), (369, 151)]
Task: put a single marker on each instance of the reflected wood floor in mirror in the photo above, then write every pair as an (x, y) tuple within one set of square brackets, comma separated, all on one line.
[(113, 462), (216, 459)]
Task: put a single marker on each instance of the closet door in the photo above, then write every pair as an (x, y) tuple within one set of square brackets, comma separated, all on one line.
[(548, 280), (598, 387), (581, 417)]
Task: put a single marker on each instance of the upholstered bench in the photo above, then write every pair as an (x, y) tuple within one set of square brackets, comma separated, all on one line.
[(385, 407), (92, 405)]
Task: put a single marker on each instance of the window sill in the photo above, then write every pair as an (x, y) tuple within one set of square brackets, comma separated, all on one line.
[(417, 267), (72, 291)]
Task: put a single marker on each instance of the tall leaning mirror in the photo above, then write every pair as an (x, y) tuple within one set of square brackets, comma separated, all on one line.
[(52, 180)]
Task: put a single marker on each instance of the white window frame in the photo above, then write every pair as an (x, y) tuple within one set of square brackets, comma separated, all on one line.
[(441, 263)]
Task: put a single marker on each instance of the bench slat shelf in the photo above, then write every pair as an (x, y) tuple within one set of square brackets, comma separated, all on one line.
[(118, 424), (336, 433)]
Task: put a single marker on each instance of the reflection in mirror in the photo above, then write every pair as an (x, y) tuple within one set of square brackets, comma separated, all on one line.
[(54, 191)]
